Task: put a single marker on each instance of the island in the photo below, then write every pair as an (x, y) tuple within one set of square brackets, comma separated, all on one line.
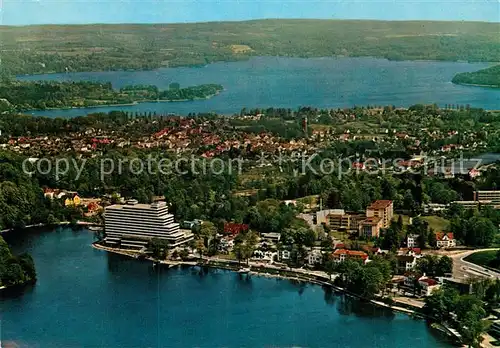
[(15, 270), (41, 95), (489, 77)]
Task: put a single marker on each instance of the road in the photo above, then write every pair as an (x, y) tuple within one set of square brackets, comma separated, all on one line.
[(465, 270)]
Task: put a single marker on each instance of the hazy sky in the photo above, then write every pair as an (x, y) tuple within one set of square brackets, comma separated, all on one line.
[(19, 12)]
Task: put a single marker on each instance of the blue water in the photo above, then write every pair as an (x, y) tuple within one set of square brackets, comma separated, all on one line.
[(294, 82), (88, 298)]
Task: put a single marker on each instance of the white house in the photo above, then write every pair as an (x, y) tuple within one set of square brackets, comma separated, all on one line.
[(314, 257), (445, 240), (406, 263), (264, 255), (427, 286), (412, 240), (284, 254)]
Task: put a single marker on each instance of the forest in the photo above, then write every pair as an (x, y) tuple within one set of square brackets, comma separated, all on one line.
[(62, 48), (486, 77), (15, 270), (40, 95)]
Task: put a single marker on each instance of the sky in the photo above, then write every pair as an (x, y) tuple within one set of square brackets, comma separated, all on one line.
[(25, 12)]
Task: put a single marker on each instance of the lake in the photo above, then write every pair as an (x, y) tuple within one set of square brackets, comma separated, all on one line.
[(293, 82), (88, 298)]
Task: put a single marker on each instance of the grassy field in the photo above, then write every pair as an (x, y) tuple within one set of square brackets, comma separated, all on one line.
[(437, 223), (483, 258), (59, 48)]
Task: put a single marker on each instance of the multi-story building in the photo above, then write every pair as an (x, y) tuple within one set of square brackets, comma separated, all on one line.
[(383, 209), (133, 225), (370, 227), (337, 219), (492, 195), (322, 215)]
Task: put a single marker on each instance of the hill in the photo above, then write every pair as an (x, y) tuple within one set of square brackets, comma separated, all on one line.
[(486, 77), (59, 48)]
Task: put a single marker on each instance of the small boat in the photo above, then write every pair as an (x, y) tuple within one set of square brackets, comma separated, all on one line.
[(96, 228), (244, 270)]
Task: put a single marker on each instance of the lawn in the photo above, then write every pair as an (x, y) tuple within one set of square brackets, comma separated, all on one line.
[(484, 258), (437, 223)]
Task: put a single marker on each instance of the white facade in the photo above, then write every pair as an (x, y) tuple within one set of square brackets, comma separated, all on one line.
[(446, 242), (133, 225), (314, 257), (412, 240), (265, 255), (285, 254)]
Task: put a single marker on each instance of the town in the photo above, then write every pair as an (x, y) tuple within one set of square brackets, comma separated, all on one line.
[(398, 222)]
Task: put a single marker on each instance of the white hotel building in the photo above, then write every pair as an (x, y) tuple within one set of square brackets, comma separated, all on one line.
[(133, 225)]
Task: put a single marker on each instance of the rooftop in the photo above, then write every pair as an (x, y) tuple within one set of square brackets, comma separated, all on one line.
[(140, 206), (380, 204), (350, 252), (442, 235), (374, 220)]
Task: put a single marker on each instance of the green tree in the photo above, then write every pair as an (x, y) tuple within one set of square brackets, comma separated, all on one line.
[(158, 248)]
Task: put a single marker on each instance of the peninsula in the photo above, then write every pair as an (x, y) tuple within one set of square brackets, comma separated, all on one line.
[(41, 95), (489, 77)]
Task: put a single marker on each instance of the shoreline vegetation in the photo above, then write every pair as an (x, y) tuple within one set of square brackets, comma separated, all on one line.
[(53, 95), (288, 273), (44, 48), (292, 274), (489, 77), (15, 270)]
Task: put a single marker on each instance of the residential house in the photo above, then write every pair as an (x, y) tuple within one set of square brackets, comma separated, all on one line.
[(284, 255), (265, 255), (271, 237), (416, 252), (74, 201), (340, 255), (427, 286), (412, 240), (406, 263), (234, 228), (383, 209), (445, 240), (315, 256)]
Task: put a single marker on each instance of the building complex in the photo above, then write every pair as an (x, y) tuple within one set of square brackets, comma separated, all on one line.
[(133, 225)]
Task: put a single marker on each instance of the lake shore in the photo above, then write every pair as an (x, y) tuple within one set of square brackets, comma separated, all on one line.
[(126, 104), (310, 276), (476, 85)]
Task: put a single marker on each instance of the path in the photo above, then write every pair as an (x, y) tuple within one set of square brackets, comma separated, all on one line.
[(465, 270)]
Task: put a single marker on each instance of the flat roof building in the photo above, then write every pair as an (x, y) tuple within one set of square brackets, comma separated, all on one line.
[(133, 225), (383, 209), (491, 195)]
